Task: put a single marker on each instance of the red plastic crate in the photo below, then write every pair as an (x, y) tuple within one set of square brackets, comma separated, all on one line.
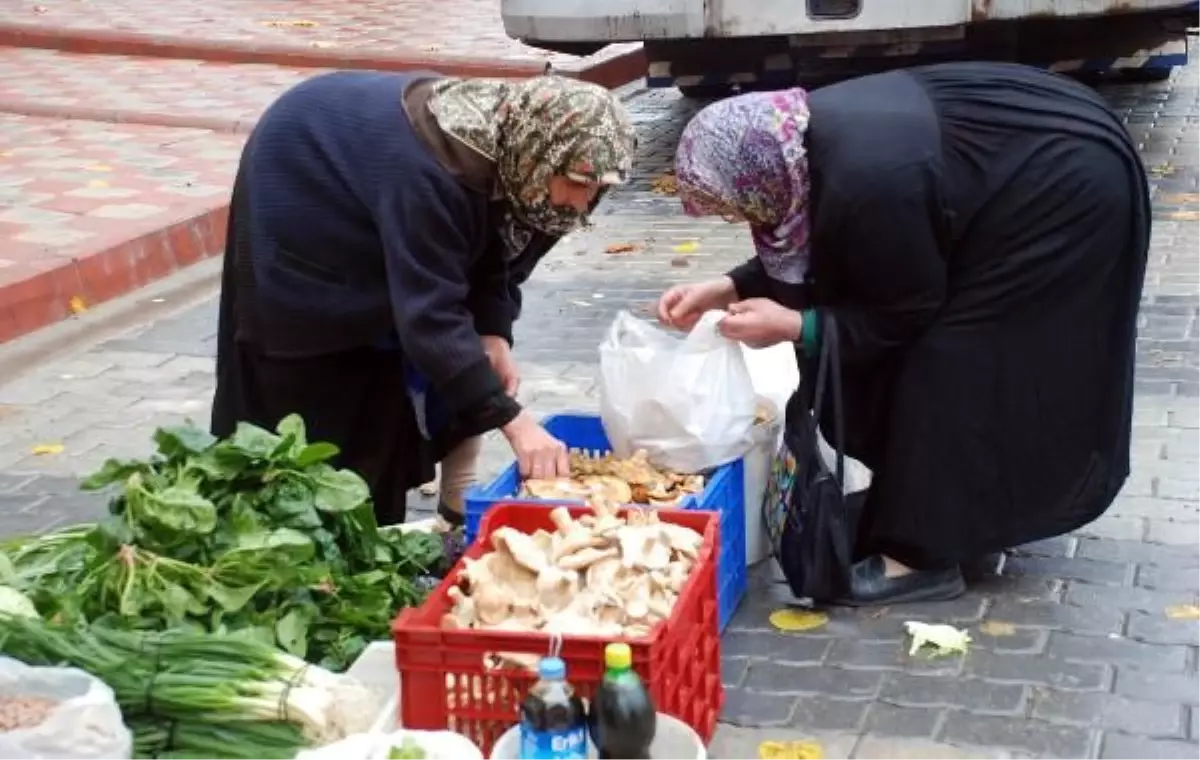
[(445, 684)]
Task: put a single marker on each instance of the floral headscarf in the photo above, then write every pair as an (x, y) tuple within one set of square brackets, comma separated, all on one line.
[(537, 128), (745, 157)]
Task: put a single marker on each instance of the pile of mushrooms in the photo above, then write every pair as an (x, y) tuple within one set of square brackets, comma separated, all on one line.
[(605, 478), (600, 575)]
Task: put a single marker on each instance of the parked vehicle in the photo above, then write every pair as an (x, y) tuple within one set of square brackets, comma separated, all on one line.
[(708, 47)]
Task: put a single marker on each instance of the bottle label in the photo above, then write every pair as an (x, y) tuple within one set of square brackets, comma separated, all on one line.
[(570, 744)]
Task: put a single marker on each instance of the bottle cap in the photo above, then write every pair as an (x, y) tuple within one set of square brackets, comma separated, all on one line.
[(552, 668), (618, 657)]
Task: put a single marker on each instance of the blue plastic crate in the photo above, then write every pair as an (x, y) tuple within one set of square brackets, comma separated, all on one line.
[(724, 492)]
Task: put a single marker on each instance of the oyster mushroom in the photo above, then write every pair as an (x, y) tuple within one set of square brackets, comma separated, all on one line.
[(586, 557), (556, 588), (608, 488), (572, 536), (492, 604), (521, 547)]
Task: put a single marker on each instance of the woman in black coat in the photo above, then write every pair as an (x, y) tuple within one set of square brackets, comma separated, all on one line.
[(979, 233)]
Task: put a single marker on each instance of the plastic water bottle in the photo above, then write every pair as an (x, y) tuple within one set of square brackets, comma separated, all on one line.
[(622, 719), (553, 720)]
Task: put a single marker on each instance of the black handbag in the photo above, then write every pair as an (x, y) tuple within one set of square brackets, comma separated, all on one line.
[(811, 521)]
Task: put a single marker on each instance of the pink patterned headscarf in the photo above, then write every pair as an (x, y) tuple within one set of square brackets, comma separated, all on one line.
[(745, 157)]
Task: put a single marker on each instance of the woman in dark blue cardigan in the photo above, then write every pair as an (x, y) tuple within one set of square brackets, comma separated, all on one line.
[(380, 229)]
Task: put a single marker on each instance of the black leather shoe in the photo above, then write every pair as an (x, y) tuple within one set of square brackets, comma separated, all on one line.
[(869, 585)]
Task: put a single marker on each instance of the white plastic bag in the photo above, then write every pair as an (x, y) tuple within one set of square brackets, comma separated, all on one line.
[(86, 724), (689, 403), (438, 745)]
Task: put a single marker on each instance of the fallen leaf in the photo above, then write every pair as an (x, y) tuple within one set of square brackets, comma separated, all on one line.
[(790, 751), (941, 639), (690, 246), (664, 184), (1183, 612), (1189, 199), (98, 168), (797, 620), (1184, 216), (47, 449), (301, 23), (77, 305), (97, 183), (997, 628), (621, 248)]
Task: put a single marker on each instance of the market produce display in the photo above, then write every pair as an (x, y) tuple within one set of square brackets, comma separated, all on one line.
[(199, 695), (256, 535), (601, 575), (604, 477)]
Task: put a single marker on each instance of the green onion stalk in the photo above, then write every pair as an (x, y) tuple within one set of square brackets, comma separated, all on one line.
[(202, 689)]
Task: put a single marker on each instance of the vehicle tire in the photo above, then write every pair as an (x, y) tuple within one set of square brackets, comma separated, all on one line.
[(568, 48), (707, 91), (1145, 74)]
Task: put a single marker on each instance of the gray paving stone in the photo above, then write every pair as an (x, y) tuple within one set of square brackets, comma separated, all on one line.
[(884, 719), (1046, 614), (1137, 552), (1169, 578), (792, 649), (749, 708), (829, 714), (1117, 651), (1124, 746), (1182, 688), (874, 655), (1040, 739), (911, 690), (793, 679), (1133, 599), (1087, 570), (1044, 671), (1109, 712), (1157, 628), (875, 747)]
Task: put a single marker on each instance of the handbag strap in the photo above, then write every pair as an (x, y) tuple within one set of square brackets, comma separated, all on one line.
[(830, 364)]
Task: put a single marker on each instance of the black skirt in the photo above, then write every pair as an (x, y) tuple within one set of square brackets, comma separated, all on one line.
[(1009, 419), (356, 399)]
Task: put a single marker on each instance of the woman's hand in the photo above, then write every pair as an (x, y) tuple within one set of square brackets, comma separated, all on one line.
[(539, 454), (499, 353), (683, 305), (760, 322)]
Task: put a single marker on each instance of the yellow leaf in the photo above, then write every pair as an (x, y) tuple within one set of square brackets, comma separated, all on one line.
[(77, 305), (665, 184), (790, 751), (997, 628), (1183, 612), (301, 23), (797, 620), (690, 246), (98, 168), (44, 449), (97, 183)]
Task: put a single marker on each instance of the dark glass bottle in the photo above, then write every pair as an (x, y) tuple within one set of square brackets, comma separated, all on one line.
[(622, 719)]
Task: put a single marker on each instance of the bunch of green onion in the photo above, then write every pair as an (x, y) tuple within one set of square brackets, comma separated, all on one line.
[(198, 695)]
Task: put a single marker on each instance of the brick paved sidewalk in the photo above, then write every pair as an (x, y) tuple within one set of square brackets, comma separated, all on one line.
[(455, 36), (194, 64), (1085, 645)]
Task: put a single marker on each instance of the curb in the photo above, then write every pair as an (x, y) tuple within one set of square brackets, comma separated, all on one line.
[(609, 72), (46, 296)]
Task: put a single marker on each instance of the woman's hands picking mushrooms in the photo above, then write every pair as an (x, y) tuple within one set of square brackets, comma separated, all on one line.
[(601, 575), (619, 481)]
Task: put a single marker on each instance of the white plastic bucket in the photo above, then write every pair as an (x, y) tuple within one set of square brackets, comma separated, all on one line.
[(672, 739)]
